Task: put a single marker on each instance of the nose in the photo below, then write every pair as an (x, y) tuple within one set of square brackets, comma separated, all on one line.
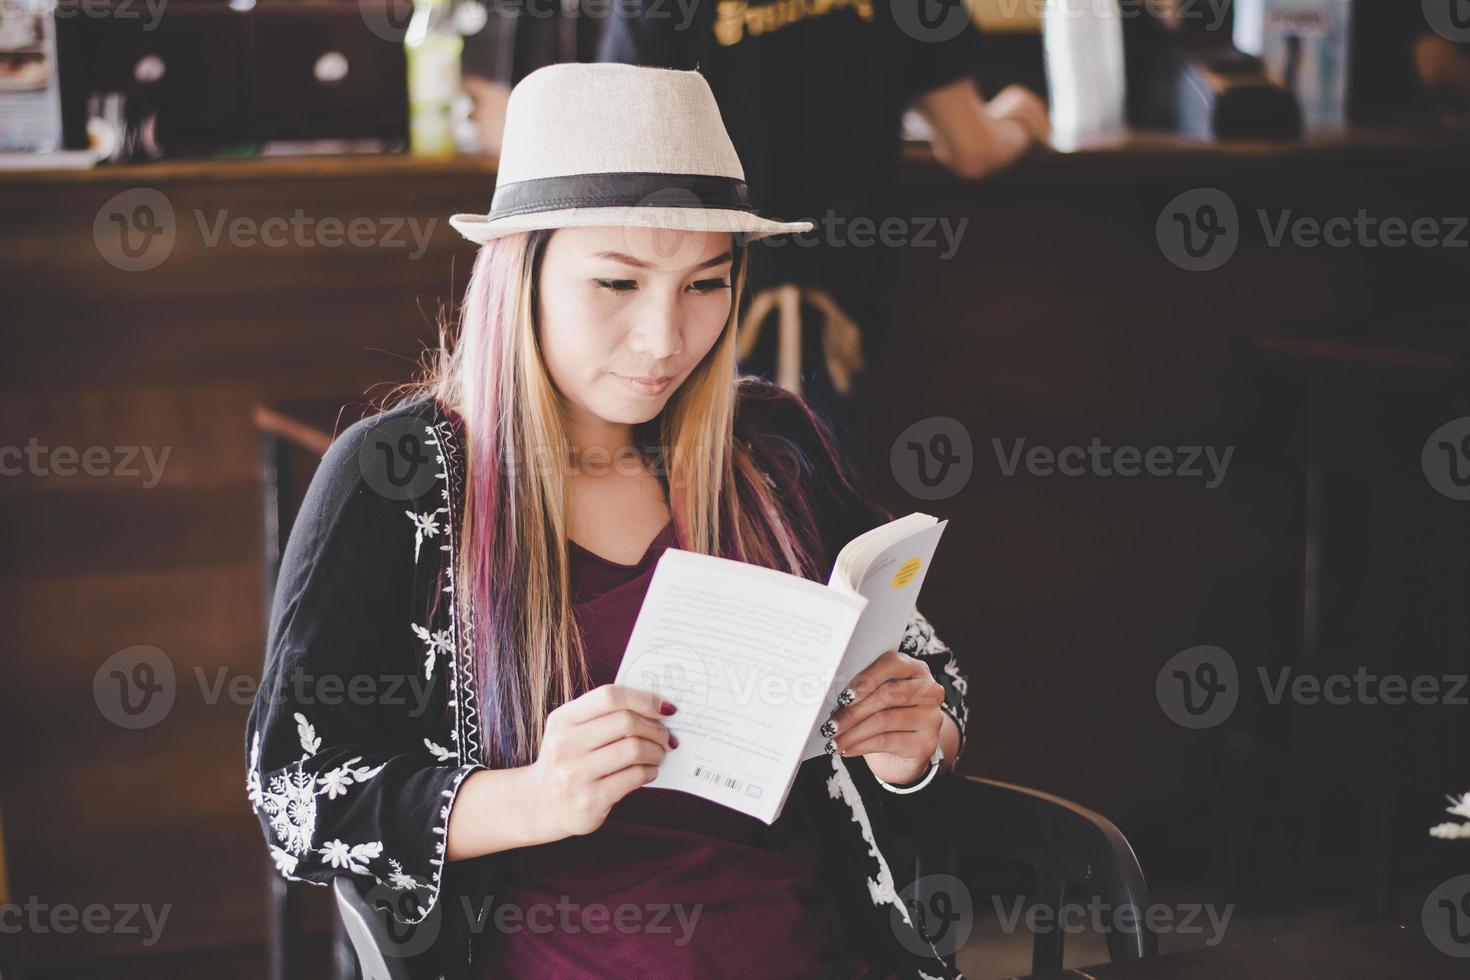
[(658, 333)]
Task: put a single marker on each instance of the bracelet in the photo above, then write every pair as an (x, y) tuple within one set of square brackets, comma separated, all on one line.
[(934, 762)]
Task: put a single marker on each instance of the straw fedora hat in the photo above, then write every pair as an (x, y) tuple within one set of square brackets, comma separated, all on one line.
[(597, 145)]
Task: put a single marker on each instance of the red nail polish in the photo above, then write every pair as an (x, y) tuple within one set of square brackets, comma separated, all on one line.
[(673, 741), (665, 708)]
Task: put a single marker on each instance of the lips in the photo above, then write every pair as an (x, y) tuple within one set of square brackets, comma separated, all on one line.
[(646, 385)]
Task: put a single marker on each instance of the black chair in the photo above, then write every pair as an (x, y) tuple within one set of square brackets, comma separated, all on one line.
[(1067, 847), (362, 939), (294, 437)]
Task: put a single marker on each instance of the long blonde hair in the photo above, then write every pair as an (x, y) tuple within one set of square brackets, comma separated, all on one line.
[(512, 576)]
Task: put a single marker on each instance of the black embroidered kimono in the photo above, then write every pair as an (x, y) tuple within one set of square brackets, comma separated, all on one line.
[(367, 717)]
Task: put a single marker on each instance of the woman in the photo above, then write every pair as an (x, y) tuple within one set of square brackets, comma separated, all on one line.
[(437, 717)]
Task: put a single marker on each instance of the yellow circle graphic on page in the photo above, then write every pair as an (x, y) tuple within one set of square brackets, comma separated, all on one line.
[(906, 572)]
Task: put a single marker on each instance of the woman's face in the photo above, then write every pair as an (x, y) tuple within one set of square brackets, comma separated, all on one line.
[(626, 314)]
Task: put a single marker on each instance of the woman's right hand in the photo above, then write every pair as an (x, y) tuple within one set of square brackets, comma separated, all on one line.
[(597, 749), (1026, 108)]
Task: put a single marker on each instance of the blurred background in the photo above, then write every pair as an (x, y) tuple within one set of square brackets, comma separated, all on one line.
[(1184, 363)]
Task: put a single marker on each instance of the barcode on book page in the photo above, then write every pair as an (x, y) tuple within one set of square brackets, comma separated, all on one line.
[(728, 782)]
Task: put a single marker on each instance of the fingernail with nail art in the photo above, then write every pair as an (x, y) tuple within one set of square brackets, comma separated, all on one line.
[(829, 728)]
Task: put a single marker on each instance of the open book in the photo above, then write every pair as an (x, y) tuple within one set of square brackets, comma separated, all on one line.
[(754, 658)]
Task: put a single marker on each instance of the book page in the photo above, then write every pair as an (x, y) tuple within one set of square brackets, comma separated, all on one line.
[(891, 584), (746, 654)]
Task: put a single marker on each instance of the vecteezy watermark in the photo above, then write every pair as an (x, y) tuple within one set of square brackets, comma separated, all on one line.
[(937, 21), (388, 19), (773, 683), (400, 458), (934, 458), (303, 689), (1200, 687), (149, 11), (1102, 918), (1200, 230), (940, 915), (397, 908), (837, 231), (1446, 459), (40, 918), (127, 462), (1364, 687), (137, 687), (301, 230), (1450, 19), (672, 919), (1099, 460), (137, 229), (676, 673), (933, 21), (1446, 917), (1210, 15)]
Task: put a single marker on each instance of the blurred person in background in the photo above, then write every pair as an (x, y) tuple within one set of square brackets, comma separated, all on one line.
[(814, 96)]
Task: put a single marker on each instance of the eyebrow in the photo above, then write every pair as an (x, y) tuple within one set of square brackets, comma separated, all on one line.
[(724, 256)]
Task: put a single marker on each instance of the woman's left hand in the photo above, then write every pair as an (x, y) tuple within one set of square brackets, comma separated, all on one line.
[(891, 717)]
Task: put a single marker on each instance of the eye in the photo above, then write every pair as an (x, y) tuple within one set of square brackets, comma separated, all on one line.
[(617, 285), (709, 285)]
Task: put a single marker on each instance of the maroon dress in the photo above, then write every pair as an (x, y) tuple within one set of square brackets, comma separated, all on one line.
[(671, 885)]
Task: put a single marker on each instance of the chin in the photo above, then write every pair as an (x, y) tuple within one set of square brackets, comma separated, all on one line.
[(631, 411)]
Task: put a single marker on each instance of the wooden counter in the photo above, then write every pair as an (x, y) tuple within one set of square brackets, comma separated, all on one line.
[(1146, 156), (276, 168), (1137, 155)]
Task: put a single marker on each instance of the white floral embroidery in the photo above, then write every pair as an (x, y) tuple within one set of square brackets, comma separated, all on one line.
[(402, 880), (252, 775), (336, 782), (310, 743), (881, 888), (920, 640), (961, 683), (285, 863), (289, 801), (1459, 806), (439, 751), (354, 858), (465, 733), (424, 526), (440, 640)]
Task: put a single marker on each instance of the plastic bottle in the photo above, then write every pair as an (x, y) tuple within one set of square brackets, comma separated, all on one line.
[(433, 47), (1083, 41)]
